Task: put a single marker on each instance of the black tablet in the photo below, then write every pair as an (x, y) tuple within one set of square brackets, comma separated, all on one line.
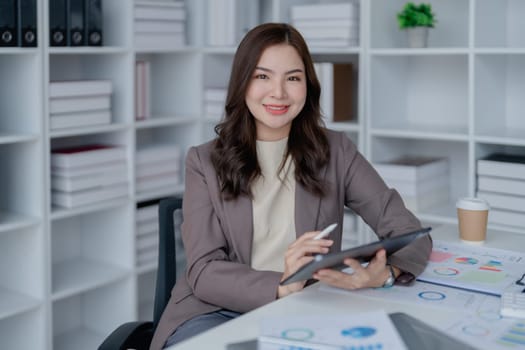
[(362, 253)]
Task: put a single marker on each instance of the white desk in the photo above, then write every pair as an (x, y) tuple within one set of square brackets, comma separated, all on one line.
[(313, 301)]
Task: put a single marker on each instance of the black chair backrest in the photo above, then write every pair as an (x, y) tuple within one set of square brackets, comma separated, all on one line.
[(166, 273)]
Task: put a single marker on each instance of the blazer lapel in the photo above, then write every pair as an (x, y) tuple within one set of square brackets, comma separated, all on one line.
[(239, 215)]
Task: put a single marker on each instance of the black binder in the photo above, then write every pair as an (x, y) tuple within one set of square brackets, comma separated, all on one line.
[(8, 26), (57, 23), (93, 23), (27, 23), (75, 9)]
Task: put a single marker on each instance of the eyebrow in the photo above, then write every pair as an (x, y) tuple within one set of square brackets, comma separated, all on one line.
[(288, 72)]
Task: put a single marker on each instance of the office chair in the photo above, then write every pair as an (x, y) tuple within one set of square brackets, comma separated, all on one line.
[(137, 335)]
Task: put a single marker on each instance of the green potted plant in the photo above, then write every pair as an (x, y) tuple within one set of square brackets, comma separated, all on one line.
[(416, 20)]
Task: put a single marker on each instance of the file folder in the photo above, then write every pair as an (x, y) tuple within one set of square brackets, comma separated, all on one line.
[(93, 13), (27, 30), (8, 26), (57, 23), (75, 9)]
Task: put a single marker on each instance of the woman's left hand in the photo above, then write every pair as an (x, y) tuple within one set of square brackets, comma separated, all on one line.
[(374, 275)]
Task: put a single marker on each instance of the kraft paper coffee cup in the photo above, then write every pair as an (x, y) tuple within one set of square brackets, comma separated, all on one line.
[(472, 219)]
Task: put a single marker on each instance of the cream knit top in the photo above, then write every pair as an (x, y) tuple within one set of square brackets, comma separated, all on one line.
[(273, 207)]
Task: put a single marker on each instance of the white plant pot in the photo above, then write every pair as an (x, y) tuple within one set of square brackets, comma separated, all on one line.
[(417, 37)]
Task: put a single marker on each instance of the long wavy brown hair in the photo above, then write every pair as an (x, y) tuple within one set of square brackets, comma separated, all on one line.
[(234, 154)]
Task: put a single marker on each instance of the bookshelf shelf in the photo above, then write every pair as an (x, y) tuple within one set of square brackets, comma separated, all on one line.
[(8, 138), (421, 132), (58, 213), (506, 137), (15, 303), (158, 121), (90, 130), (461, 98), (103, 50), (80, 275), (419, 52), (13, 221)]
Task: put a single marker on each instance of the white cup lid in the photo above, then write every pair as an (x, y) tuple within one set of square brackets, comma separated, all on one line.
[(472, 203)]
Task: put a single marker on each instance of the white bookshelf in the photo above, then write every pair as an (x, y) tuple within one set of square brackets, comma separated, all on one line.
[(457, 99), (70, 275)]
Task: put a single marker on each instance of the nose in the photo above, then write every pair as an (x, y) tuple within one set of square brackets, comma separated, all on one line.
[(278, 89)]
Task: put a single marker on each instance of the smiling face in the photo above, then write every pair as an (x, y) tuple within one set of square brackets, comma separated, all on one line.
[(277, 91)]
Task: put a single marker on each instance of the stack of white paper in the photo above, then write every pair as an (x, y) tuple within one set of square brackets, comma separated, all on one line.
[(88, 174), (501, 181), (157, 167), (79, 103), (214, 102), (229, 21), (422, 182), (160, 24), (147, 234), (327, 25)]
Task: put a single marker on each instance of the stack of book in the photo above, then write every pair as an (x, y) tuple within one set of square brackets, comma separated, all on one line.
[(214, 102), (229, 20), (88, 174), (142, 90), (501, 181), (327, 25), (157, 167), (337, 82), (160, 24), (422, 182), (147, 233), (79, 103)]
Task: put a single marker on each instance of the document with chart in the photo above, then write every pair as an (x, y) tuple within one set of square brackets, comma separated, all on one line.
[(360, 330), (476, 268)]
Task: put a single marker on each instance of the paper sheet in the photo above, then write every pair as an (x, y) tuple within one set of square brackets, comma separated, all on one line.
[(367, 330), (476, 319), (475, 268)]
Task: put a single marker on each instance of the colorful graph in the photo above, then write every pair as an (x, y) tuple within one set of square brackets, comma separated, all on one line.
[(514, 336), (492, 265), (358, 332), (465, 260)]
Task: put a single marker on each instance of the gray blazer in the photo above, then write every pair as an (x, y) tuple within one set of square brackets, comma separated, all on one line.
[(217, 233)]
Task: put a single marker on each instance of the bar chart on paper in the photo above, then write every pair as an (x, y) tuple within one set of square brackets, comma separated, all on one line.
[(480, 269)]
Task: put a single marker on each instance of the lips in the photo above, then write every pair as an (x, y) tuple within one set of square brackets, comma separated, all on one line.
[(276, 109)]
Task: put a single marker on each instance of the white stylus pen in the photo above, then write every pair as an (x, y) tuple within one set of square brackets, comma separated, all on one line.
[(326, 231)]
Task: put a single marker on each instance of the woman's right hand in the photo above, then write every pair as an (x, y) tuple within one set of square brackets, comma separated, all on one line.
[(298, 254)]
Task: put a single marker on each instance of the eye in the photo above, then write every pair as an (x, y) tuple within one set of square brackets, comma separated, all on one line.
[(294, 78), (261, 76)]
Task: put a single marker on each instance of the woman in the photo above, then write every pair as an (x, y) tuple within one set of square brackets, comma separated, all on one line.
[(258, 194)]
